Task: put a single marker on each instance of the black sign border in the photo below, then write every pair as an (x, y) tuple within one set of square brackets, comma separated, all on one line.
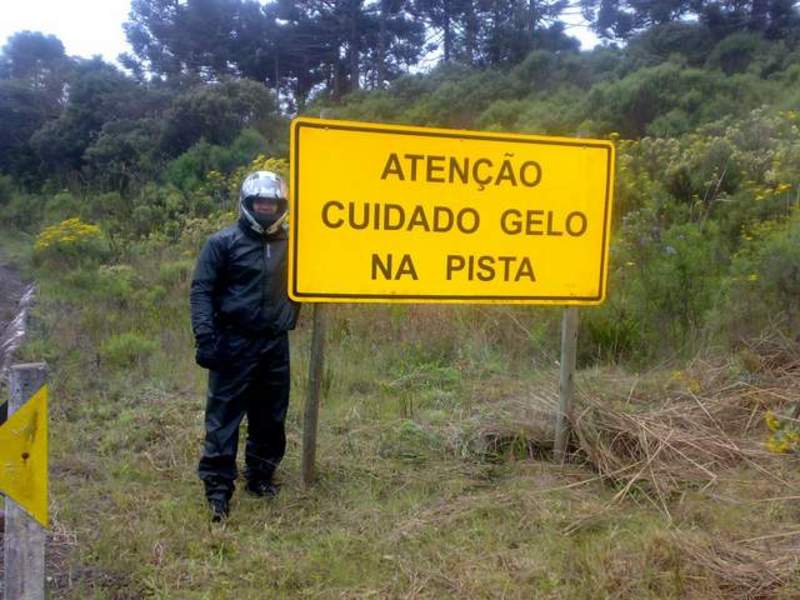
[(301, 124)]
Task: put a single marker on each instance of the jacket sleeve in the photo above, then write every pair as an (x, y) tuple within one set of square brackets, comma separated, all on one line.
[(205, 286)]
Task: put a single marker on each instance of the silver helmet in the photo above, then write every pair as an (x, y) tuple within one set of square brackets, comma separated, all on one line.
[(270, 186)]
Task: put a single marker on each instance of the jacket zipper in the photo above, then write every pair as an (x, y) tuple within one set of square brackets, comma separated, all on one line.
[(267, 256)]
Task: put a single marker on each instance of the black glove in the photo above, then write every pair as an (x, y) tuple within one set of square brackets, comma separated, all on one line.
[(207, 355)]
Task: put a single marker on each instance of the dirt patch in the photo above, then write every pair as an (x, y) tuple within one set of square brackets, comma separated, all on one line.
[(15, 295), (11, 289), (61, 577)]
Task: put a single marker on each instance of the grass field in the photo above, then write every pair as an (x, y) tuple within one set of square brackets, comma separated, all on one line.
[(435, 478)]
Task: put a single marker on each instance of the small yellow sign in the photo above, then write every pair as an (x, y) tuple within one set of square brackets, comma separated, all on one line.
[(23, 456), (388, 213)]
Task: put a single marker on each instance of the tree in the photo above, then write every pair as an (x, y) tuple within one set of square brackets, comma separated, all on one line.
[(335, 31), (125, 150), (33, 56), (346, 44), (494, 32), (98, 93), (444, 16), (171, 38), (290, 45), (515, 28), (775, 18), (623, 19), (21, 114), (217, 113), (33, 75), (393, 43)]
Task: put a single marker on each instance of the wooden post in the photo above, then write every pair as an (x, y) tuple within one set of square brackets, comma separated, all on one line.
[(566, 392), (315, 374), (24, 537)]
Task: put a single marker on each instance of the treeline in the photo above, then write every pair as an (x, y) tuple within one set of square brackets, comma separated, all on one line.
[(665, 82), (704, 111), (209, 69), (71, 121), (346, 45)]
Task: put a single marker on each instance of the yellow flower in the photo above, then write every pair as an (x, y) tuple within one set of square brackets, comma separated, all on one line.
[(69, 232), (772, 421)]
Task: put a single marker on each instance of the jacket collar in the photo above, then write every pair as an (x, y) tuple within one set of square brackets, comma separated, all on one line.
[(244, 226)]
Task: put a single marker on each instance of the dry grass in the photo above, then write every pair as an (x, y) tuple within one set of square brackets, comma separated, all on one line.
[(508, 420), (657, 434), (740, 570), (696, 431)]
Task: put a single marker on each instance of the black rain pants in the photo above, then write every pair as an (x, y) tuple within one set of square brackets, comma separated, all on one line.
[(255, 382)]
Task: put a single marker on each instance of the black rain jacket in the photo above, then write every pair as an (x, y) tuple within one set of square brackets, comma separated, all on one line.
[(240, 284)]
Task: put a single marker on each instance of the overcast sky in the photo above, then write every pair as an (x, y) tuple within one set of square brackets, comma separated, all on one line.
[(89, 27), (86, 27)]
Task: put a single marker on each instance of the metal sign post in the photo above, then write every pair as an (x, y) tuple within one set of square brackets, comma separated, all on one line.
[(566, 391), (315, 374)]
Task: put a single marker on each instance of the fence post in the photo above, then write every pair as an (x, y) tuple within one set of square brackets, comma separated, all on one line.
[(24, 537), (566, 392)]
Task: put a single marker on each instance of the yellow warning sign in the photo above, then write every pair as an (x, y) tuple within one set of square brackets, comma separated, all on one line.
[(388, 213), (23, 456)]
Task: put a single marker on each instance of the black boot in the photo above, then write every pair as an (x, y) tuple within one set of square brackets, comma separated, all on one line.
[(263, 488), (218, 495), (220, 508)]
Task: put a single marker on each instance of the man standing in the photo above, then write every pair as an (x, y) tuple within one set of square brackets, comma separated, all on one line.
[(240, 318)]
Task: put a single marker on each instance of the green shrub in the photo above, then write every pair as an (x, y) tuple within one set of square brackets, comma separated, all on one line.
[(410, 442), (127, 350), (116, 283), (22, 211), (189, 171), (763, 288), (610, 333), (735, 53), (174, 273), (63, 206), (667, 280)]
